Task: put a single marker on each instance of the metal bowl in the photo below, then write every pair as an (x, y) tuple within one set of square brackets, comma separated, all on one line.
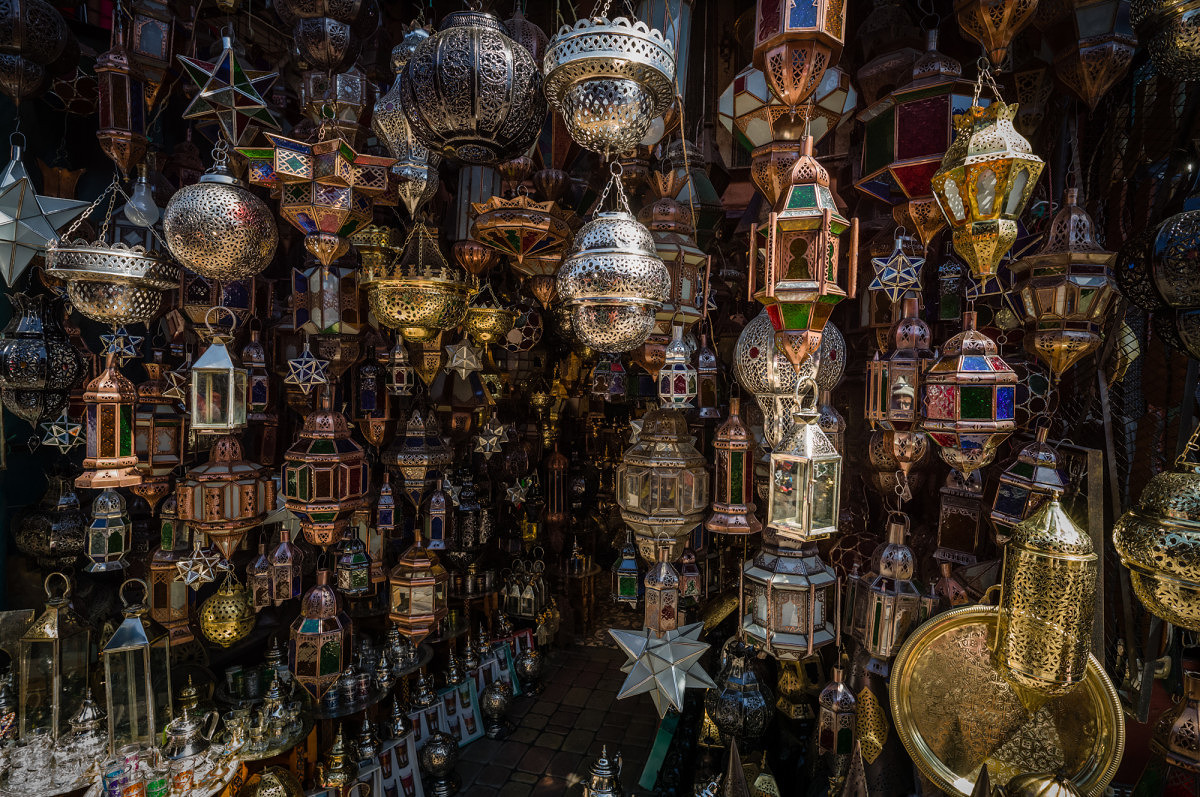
[(113, 284)]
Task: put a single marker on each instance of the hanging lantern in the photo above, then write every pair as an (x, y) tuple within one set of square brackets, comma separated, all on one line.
[(54, 653), (137, 677), (662, 592), (227, 616), (626, 580), (352, 566), (170, 598), (325, 478), (325, 300), (157, 434), (258, 579), (960, 513), (420, 456), (692, 584), (109, 535), (258, 382), (741, 706), (803, 241), (985, 180), (677, 378), (1066, 288), (372, 402), (1174, 741), (708, 373), (806, 478), (436, 519), (1044, 635), (831, 421), (794, 43), (836, 719), (225, 497), (218, 395), (320, 640), (122, 132), (899, 273), (38, 364), (1167, 28), (418, 592), (733, 505), (614, 312), (1026, 484), (609, 80), (522, 228), (786, 604), (994, 23), (672, 228), (416, 165), (486, 320), (54, 534), (400, 371), (763, 370), (287, 569), (1093, 44), (111, 460), (969, 399)]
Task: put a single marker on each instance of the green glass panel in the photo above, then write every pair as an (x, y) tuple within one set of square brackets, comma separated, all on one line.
[(879, 148), (802, 196), (322, 447), (291, 485), (736, 480), (627, 586), (795, 316), (975, 402), (304, 492), (331, 657), (126, 430), (324, 517)]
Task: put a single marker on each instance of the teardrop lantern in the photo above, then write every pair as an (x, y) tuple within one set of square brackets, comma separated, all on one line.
[(38, 364)]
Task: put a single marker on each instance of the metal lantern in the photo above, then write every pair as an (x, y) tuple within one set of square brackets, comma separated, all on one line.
[(970, 398), (662, 485), (960, 516), (418, 587), (486, 320), (38, 364), (1174, 740), (994, 23), (258, 579), (436, 518), (372, 402), (522, 228), (803, 251), (416, 166), (1026, 484), (54, 533), (219, 390), (626, 580), (889, 603), (225, 497), (137, 677), (1092, 41), (985, 180), (708, 377), (677, 377), (1167, 27), (400, 371), (837, 713), (122, 104), (352, 566), (1067, 289), (158, 434), (898, 274), (111, 460), (420, 455), (733, 504), (806, 478), (662, 592), (54, 654), (795, 42), (326, 301), (673, 230), (609, 80), (325, 478), (170, 599), (741, 706), (786, 601), (320, 640), (287, 569), (1047, 597), (227, 616), (109, 535)]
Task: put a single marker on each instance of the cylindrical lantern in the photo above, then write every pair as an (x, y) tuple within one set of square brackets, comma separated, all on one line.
[(54, 654), (109, 535), (137, 677), (319, 647), (662, 592), (111, 460), (733, 496)]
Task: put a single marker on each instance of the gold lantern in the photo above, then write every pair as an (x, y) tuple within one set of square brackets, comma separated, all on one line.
[(1026, 484), (225, 497), (319, 645), (170, 598), (662, 592), (219, 394), (1175, 736), (1067, 289), (986, 178), (227, 617), (795, 42), (970, 399), (158, 434), (111, 460), (1047, 597), (109, 535), (487, 321), (137, 677), (889, 603), (806, 477), (325, 476), (54, 654), (838, 710), (733, 504), (418, 585), (993, 23), (420, 455)]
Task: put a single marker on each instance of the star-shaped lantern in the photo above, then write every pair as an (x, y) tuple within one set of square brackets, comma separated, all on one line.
[(516, 494), (490, 438), (899, 272), (62, 433), (663, 666), (179, 382), (230, 95), (463, 359), (306, 371), (201, 567), (27, 221), (125, 346)]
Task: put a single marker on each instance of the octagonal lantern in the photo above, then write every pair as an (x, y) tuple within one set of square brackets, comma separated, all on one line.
[(788, 605), (420, 456), (795, 41), (418, 585), (1027, 483), (225, 497), (321, 636), (755, 118), (1093, 43)]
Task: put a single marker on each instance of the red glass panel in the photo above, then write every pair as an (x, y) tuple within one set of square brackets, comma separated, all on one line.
[(923, 127)]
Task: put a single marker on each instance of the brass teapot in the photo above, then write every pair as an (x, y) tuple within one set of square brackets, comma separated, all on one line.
[(189, 734)]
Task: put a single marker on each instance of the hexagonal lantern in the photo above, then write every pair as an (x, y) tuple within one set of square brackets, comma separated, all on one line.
[(158, 434), (806, 476), (225, 497), (418, 585), (321, 636), (795, 41), (749, 111), (325, 476), (111, 460), (671, 227), (420, 455)]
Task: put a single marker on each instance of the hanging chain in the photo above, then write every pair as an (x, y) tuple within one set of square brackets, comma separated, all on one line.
[(603, 10), (985, 76), (616, 169), (1192, 447)]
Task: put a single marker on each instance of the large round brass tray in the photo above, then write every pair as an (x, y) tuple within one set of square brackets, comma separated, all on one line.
[(954, 713)]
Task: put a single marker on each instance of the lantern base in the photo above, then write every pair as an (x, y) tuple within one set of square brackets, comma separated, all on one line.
[(106, 567), (446, 786), (106, 478)]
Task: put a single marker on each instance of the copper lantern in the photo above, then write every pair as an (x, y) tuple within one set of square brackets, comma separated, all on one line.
[(733, 497), (994, 23), (319, 647), (225, 497), (794, 42), (418, 586), (158, 435), (170, 598), (111, 459)]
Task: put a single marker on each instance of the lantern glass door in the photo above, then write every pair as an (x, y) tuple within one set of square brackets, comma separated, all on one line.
[(824, 503), (138, 693), (210, 391), (786, 511)]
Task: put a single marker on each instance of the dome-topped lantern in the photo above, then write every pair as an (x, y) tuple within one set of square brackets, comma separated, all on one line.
[(473, 94), (795, 42), (225, 497), (111, 459), (609, 79)]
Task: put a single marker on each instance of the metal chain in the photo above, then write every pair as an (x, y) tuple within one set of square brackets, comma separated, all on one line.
[(89, 210), (1192, 447)]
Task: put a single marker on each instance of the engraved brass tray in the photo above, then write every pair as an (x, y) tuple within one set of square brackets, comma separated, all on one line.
[(954, 713)]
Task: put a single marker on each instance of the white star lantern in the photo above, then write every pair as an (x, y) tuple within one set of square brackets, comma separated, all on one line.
[(663, 666), (897, 273), (463, 359), (62, 433), (201, 567), (490, 438), (28, 222)]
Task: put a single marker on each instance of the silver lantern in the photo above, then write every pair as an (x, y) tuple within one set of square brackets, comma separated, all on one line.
[(472, 93), (609, 79)]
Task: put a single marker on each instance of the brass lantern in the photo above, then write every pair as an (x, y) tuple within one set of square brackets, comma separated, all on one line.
[(158, 436), (319, 645), (122, 132), (1067, 289), (227, 616), (838, 710), (626, 580), (1093, 43), (418, 584), (795, 42), (170, 598), (970, 399), (994, 23), (985, 180), (677, 377), (1175, 739), (662, 592), (416, 165), (420, 455), (225, 497), (111, 460), (54, 654), (806, 478), (960, 518), (1168, 29), (1026, 484), (325, 478), (733, 504), (137, 677), (219, 394), (1047, 597), (109, 535)]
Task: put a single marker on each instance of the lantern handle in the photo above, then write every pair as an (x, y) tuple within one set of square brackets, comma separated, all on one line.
[(126, 583), (218, 309), (66, 585), (806, 395)]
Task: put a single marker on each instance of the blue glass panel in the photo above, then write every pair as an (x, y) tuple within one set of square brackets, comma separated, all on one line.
[(1004, 403), (803, 14), (974, 363)]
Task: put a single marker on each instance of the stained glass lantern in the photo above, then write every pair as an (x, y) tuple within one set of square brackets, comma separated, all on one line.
[(756, 119), (898, 274), (122, 104), (1026, 484), (994, 23), (662, 592), (794, 42), (137, 676), (219, 391), (1092, 41), (54, 653), (258, 579), (692, 584), (352, 566), (895, 604), (672, 228), (969, 399), (521, 228), (400, 372), (326, 300), (109, 535), (836, 721), (419, 456), (225, 497), (320, 641), (111, 459), (626, 580), (1067, 289), (287, 568), (158, 435), (325, 478), (803, 252), (985, 180), (677, 377), (806, 477), (733, 496), (372, 401), (170, 598), (960, 518), (418, 585)]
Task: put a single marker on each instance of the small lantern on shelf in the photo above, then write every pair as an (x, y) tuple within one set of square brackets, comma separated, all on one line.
[(806, 477), (218, 390), (677, 378), (170, 598), (321, 635), (137, 676), (662, 592), (1026, 484), (109, 534), (111, 459), (733, 505), (418, 586), (626, 580), (960, 518), (158, 434), (54, 653)]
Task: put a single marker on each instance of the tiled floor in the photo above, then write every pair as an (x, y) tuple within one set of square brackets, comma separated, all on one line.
[(557, 736)]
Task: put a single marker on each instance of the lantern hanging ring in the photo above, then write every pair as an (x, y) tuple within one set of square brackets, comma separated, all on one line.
[(66, 585), (1192, 447), (12, 137), (126, 583), (218, 309)]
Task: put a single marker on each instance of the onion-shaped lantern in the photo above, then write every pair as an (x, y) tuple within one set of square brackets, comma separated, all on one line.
[(970, 399), (321, 634), (837, 710), (986, 178), (54, 533), (613, 281), (38, 364), (1168, 29), (218, 229), (521, 227), (225, 497), (994, 23), (609, 79), (1066, 289), (763, 370), (36, 38), (493, 116)]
